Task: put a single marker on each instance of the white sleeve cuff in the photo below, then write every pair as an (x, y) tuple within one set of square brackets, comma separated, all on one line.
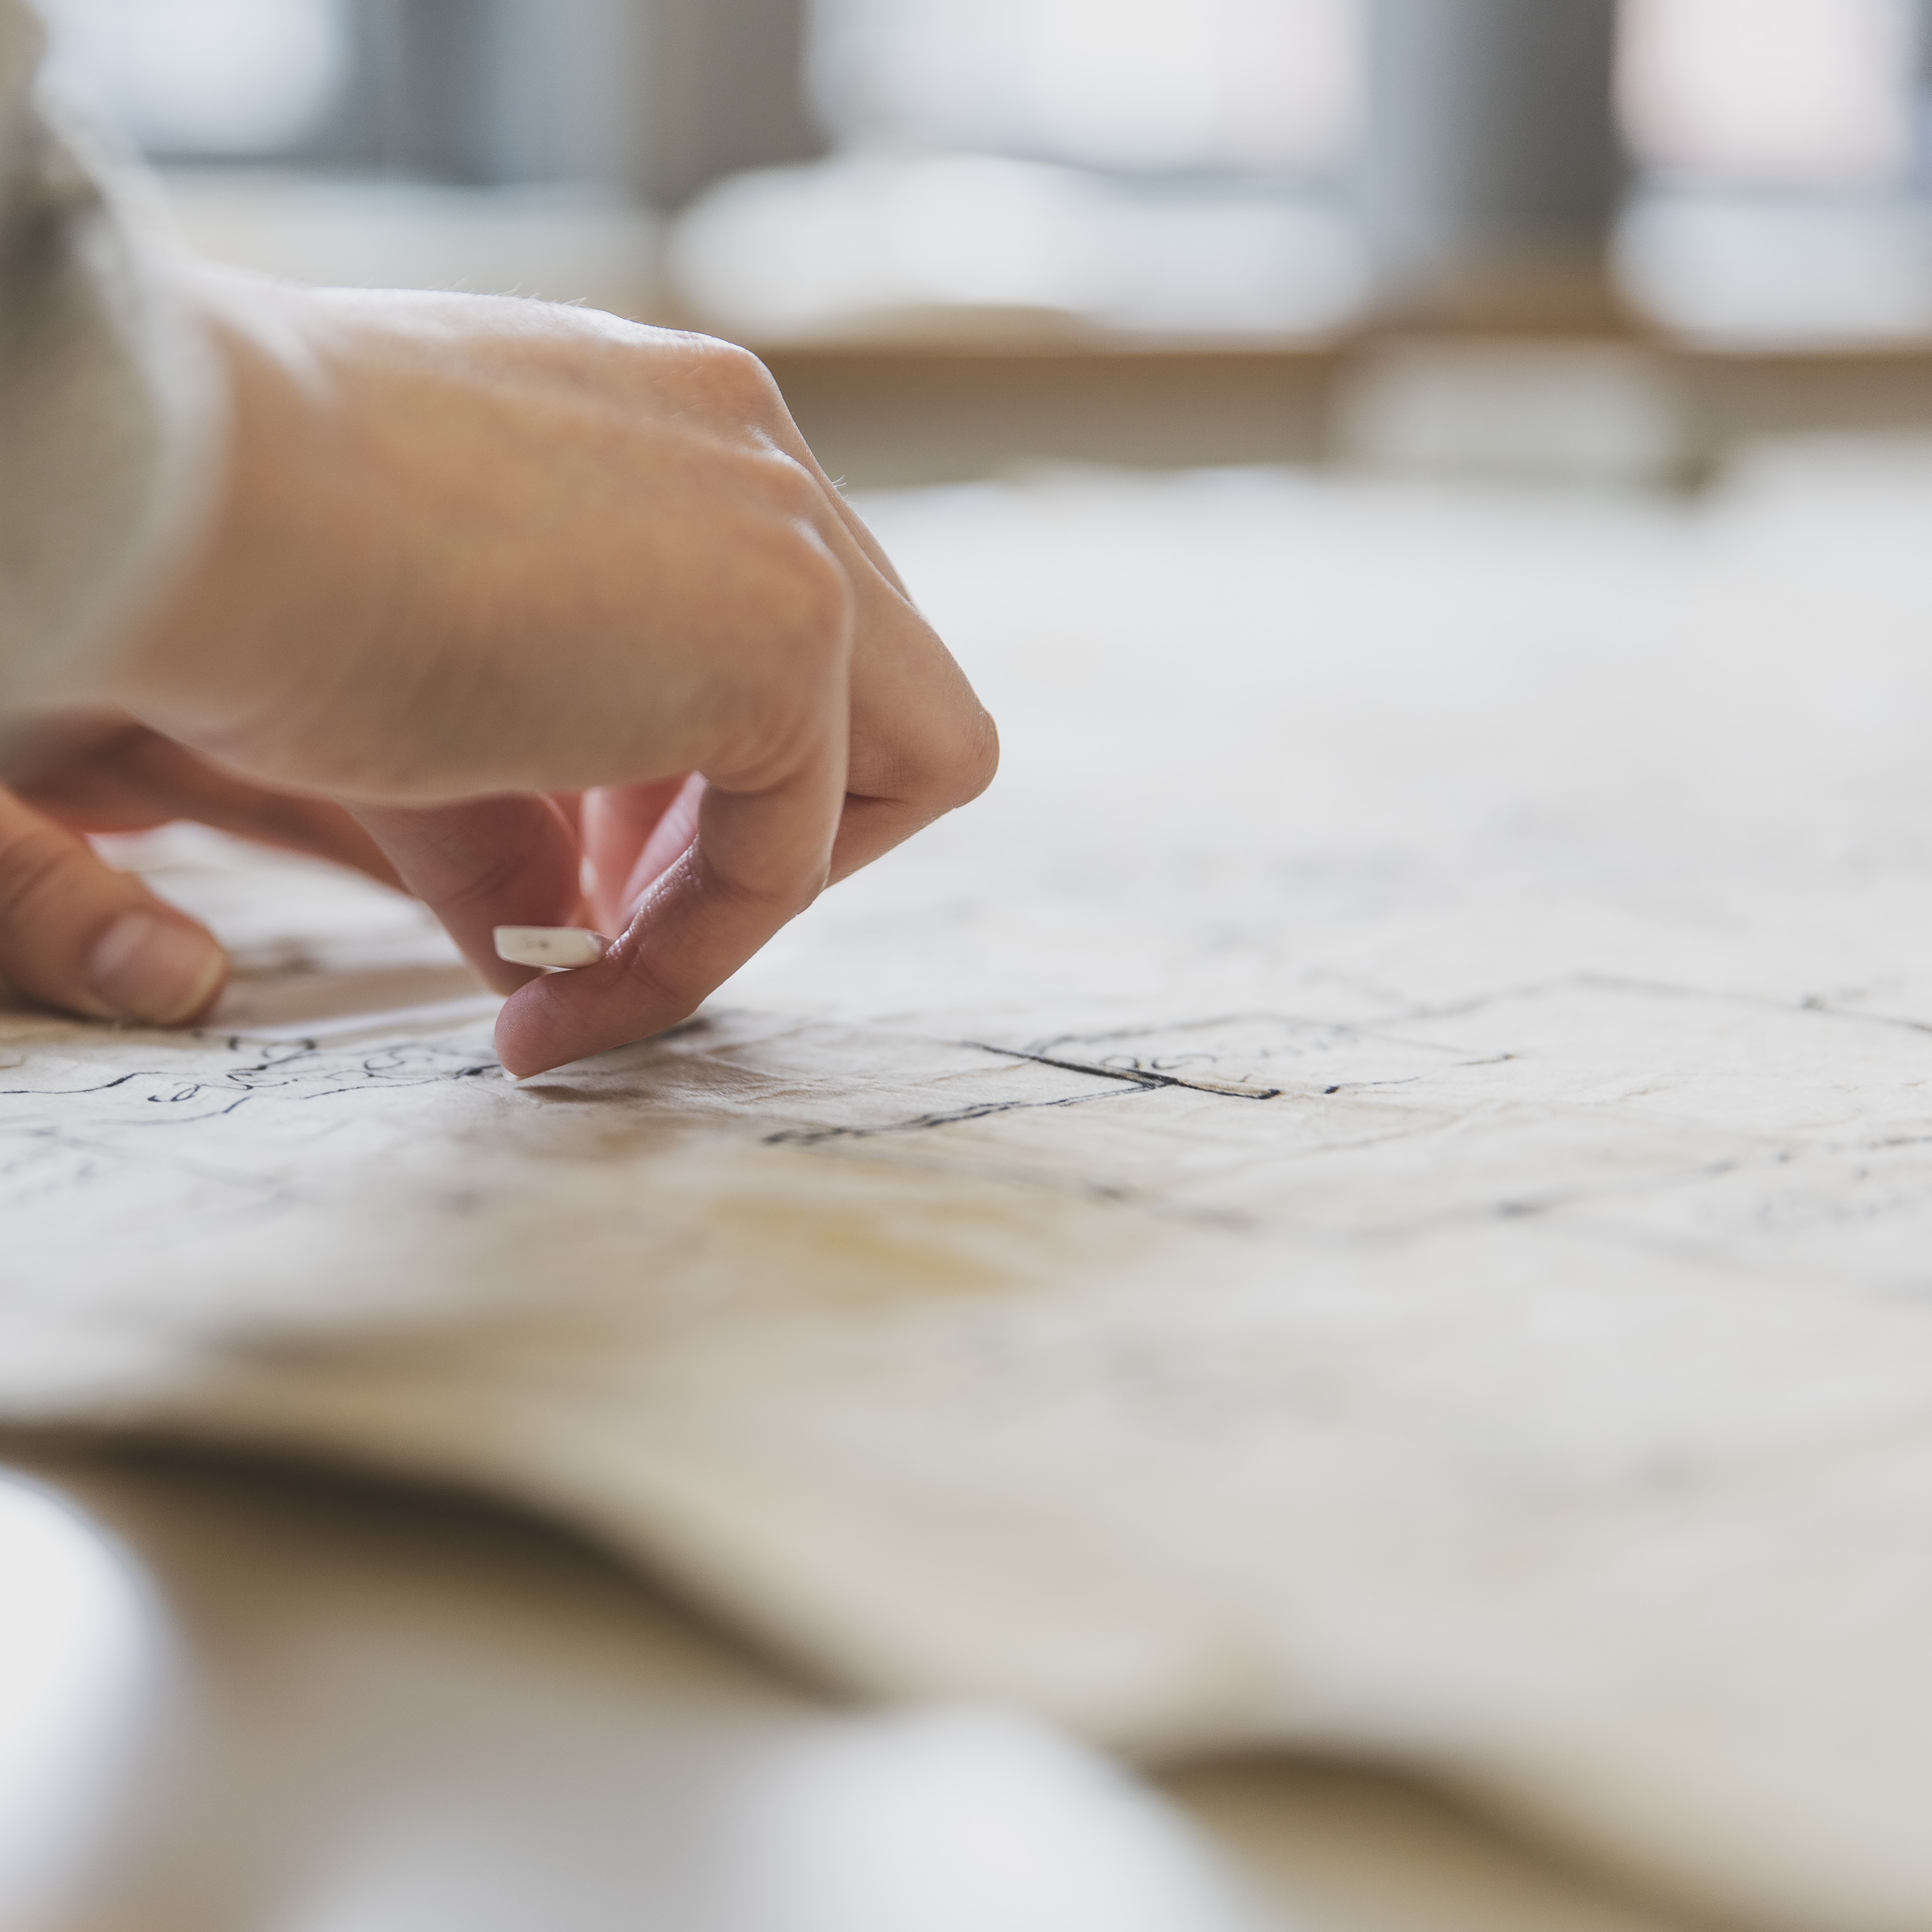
[(111, 404)]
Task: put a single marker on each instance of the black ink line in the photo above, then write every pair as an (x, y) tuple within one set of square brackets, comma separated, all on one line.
[(68, 1092), (1138, 1076)]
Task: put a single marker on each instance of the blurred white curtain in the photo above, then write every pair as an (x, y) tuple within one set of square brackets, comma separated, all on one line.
[(1779, 93), (206, 76), (1247, 86)]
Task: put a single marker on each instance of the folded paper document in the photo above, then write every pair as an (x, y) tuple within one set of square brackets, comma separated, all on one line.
[(1375, 1195)]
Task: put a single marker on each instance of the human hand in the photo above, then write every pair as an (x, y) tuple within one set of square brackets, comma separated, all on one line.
[(528, 585), (77, 933)]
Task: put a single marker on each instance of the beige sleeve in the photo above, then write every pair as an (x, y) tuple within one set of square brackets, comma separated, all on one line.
[(110, 406)]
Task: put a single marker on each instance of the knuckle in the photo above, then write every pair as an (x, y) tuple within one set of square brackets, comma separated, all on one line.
[(466, 858), (767, 904), (794, 618), (791, 724), (654, 990), (951, 766), (734, 380), (784, 678), (789, 488), (812, 597), (38, 866), (972, 760), (475, 881)]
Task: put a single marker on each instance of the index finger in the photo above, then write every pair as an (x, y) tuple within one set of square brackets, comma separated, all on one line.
[(762, 854), (922, 743)]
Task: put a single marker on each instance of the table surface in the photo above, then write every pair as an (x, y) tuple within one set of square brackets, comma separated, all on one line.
[(299, 1701)]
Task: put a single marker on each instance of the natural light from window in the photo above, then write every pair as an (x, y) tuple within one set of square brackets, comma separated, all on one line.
[(1259, 86), (1813, 93), (206, 77)]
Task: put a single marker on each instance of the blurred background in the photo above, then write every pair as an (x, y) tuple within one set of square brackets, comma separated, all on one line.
[(1604, 240), (1564, 242)]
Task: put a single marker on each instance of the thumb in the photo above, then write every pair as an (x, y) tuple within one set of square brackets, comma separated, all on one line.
[(76, 934)]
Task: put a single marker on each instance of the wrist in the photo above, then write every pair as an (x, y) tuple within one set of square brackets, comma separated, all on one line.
[(212, 651)]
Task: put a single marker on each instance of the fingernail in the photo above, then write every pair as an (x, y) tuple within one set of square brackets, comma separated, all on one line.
[(148, 968)]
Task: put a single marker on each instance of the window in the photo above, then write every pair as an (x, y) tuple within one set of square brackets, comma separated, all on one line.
[(1150, 86), (1776, 142), (207, 78), (1814, 94), (1197, 168), (479, 92), (471, 144), (1170, 166)]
